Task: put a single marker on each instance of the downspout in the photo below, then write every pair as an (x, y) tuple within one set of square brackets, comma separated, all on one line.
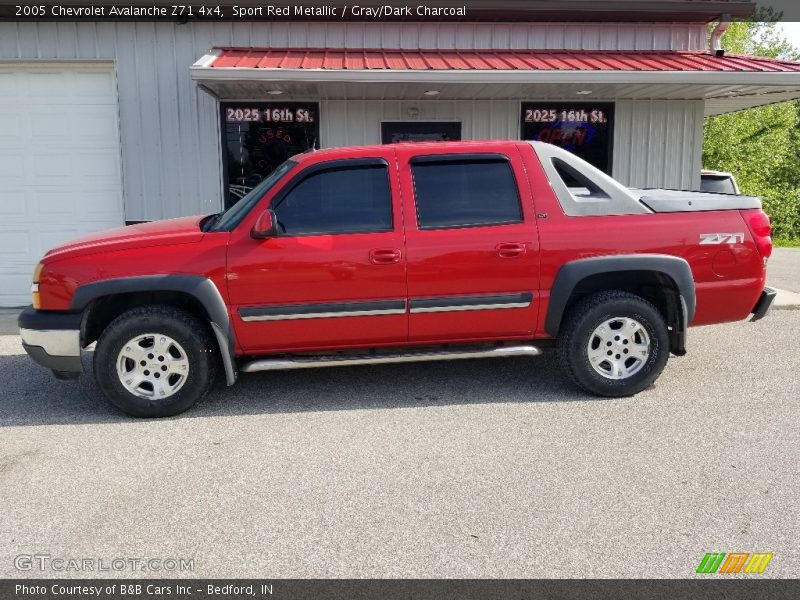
[(716, 35)]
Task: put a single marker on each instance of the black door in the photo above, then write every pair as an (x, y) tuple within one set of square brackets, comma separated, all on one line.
[(393, 132)]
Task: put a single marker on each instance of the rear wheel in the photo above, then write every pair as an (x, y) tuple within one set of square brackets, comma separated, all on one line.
[(155, 361), (613, 343)]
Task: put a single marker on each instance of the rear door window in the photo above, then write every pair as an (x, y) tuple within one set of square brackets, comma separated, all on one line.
[(453, 191)]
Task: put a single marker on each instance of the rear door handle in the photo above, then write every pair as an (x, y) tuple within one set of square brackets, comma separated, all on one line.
[(510, 249), (384, 256)]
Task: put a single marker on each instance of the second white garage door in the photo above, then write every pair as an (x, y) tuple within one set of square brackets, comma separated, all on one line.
[(60, 173)]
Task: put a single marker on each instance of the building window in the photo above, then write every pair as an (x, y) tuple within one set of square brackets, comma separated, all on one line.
[(585, 129), (257, 137), (455, 192), (338, 200)]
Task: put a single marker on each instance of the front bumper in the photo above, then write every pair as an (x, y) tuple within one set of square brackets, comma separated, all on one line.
[(764, 303), (52, 339)]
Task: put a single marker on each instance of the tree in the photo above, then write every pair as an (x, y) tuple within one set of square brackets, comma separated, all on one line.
[(761, 146)]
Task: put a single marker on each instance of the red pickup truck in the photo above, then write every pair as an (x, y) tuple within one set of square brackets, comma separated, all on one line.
[(429, 251)]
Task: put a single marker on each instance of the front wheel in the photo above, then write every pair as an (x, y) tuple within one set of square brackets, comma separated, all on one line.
[(613, 343), (155, 361)]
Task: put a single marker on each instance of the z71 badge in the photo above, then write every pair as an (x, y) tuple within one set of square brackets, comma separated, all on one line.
[(707, 239)]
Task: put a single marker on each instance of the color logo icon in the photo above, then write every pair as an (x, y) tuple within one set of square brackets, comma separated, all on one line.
[(734, 562)]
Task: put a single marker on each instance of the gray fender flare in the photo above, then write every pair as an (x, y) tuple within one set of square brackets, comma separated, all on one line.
[(572, 273), (200, 288)]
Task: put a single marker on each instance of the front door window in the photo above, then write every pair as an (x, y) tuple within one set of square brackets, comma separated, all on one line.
[(338, 200)]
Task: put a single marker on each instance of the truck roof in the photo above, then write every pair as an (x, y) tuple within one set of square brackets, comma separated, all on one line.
[(420, 145)]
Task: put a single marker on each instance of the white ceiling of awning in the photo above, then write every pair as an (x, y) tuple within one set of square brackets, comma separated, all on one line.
[(719, 98)]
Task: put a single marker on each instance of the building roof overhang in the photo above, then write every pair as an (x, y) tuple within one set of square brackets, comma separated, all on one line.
[(726, 83)]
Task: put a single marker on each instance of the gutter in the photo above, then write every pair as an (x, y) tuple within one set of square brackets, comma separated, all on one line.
[(715, 44)]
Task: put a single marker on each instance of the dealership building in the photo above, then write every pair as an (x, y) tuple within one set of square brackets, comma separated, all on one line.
[(104, 123)]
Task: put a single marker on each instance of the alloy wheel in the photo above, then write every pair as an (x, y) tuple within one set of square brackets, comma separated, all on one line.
[(152, 366), (618, 348)]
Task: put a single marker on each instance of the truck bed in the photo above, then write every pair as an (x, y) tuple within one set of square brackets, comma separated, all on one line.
[(669, 201)]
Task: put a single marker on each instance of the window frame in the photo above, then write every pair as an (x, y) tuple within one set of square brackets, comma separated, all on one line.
[(474, 157), (602, 195), (332, 165)]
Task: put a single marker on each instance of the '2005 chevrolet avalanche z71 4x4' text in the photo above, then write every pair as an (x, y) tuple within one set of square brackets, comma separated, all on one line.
[(381, 254)]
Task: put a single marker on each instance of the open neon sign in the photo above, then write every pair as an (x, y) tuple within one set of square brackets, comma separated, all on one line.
[(585, 129)]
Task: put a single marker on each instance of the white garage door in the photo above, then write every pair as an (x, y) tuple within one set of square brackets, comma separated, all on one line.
[(60, 174)]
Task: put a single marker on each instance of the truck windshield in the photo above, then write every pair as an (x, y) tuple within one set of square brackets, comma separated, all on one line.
[(234, 215)]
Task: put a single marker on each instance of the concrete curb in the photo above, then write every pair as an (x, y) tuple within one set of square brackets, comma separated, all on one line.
[(786, 300), (8, 321)]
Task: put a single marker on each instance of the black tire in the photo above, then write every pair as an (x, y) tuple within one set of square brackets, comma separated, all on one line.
[(191, 333), (589, 313)]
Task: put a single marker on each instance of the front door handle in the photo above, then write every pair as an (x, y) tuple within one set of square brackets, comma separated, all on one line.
[(510, 250), (385, 256)]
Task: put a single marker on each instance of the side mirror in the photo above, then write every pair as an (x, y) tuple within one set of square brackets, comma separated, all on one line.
[(266, 226)]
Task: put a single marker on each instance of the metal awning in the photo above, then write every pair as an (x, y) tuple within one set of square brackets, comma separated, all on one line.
[(727, 83)]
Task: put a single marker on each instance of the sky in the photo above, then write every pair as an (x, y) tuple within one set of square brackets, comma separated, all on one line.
[(790, 31)]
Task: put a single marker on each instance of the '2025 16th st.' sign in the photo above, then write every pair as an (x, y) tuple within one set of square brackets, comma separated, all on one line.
[(275, 114)]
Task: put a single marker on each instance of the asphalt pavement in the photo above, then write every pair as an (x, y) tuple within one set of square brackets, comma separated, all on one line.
[(481, 468)]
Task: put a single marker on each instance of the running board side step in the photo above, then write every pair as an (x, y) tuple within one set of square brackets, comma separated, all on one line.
[(308, 362)]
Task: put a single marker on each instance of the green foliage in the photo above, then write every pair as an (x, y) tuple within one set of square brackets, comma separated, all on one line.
[(761, 146), (783, 243)]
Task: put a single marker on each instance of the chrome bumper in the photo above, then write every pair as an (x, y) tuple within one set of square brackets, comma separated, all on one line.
[(52, 339)]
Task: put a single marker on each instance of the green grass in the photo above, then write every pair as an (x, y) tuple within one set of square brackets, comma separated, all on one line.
[(785, 243)]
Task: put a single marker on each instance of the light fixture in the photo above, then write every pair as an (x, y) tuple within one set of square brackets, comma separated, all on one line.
[(584, 92), (275, 92), (432, 92)]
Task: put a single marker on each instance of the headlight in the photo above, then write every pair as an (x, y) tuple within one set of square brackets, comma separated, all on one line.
[(37, 304)]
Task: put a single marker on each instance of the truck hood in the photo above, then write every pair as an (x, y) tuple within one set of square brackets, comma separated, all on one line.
[(183, 230)]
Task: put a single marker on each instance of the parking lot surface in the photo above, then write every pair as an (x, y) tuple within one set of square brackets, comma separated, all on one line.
[(492, 468)]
